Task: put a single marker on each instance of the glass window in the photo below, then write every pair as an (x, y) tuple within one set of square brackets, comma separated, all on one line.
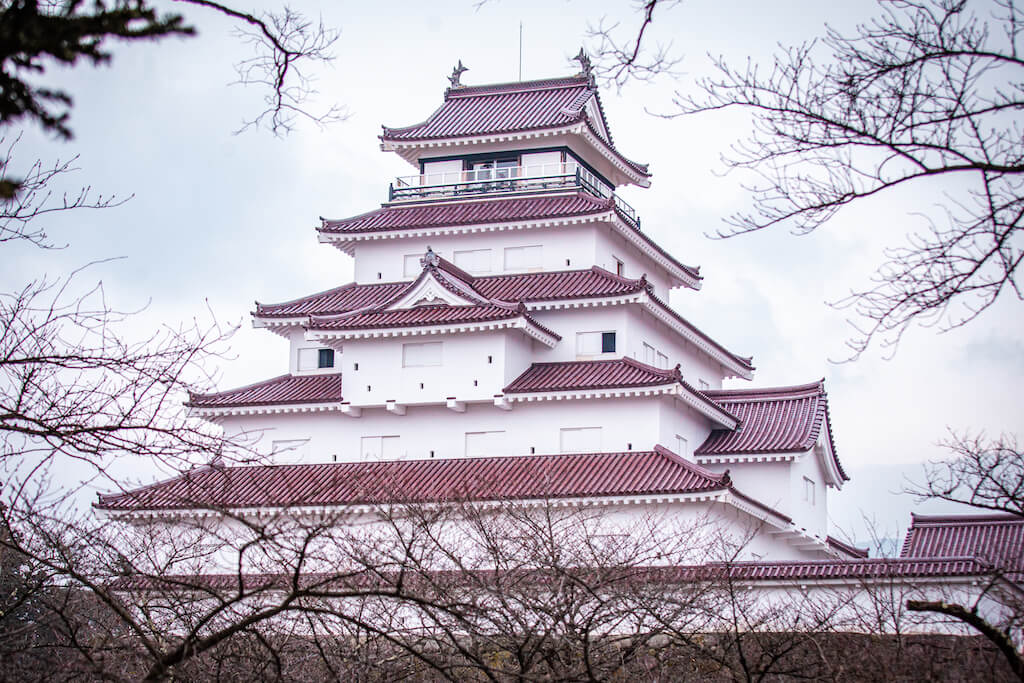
[(580, 440), (416, 355), (326, 358), (594, 343)]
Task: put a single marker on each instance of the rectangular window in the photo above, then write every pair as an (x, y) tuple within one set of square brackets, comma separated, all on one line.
[(411, 265), (607, 342), (474, 260), (381, 447), (649, 354), (662, 361), (682, 446), (326, 358), (290, 450), (417, 355), (809, 490), (483, 444), (524, 258), (594, 343), (620, 267), (580, 440)]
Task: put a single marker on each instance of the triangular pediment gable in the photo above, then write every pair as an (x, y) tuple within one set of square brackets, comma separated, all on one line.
[(435, 288)]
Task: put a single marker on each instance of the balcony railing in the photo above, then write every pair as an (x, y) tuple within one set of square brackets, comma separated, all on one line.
[(509, 179)]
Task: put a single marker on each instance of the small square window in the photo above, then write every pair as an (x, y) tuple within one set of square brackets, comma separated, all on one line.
[(607, 342), (326, 358)]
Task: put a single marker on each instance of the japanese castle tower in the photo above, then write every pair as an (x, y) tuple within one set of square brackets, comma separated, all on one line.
[(508, 337)]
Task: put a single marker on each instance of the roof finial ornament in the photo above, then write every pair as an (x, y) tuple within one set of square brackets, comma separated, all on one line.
[(456, 77), (586, 68), (430, 259)]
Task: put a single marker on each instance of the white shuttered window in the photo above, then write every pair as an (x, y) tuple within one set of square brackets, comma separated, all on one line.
[(482, 444), (523, 258), (417, 355), (580, 440)]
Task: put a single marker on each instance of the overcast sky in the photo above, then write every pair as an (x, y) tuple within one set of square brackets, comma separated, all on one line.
[(219, 220)]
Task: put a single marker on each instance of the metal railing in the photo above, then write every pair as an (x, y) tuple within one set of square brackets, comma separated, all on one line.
[(540, 177)]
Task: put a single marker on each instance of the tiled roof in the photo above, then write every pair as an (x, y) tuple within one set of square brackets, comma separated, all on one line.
[(338, 300), (422, 481), (413, 317), (590, 374), (845, 569), (512, 108), (484, 110), (286, 389), (846, 548), (438, 214), (527, 287), (775, 420), (997, 539)]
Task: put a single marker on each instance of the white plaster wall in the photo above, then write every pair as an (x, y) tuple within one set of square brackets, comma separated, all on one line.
[(533, 426), (679, 419), (812, 516), (569, 247), (297, 340), (472, 369), (767, 482), (611, 245), (520, 352)]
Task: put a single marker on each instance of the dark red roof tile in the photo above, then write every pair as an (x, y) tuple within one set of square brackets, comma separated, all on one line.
[(286, 389), (444, 214), (997, 539), (571, 284), (877, 568), (774, 420), (846, 548), (590, 374), (485, 110), (338, 300), (422, 481)]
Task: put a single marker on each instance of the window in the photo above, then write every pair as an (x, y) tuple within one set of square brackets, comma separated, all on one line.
[(380, 447), (662, 361), (809, 490), (308, 359), (620, 267), (594, 343), (418, 355), (474, 260), (682, 446), (482, 444), (580, 440), (497, 169), (704, 385), (523, 258), (649, 354), (289, 450), (411, 265), (325, 358)]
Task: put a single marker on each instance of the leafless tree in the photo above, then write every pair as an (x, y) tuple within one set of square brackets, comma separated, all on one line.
[(924, 98), (981, 472)]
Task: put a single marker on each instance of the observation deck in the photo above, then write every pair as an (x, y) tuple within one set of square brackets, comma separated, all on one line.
[(507, 180)]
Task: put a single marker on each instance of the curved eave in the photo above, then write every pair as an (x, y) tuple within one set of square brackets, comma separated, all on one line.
[(681, 391), (523, 323), (631, 171), (345, 241), (269, 408), (737, 365)]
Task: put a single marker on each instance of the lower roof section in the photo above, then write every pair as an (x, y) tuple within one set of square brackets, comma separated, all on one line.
[(996, 538), (281, 390), (584, 475)]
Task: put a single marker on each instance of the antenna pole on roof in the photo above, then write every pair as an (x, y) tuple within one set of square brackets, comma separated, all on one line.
[(520, 50)]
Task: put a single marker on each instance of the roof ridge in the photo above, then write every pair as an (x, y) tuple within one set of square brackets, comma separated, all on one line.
[(555, 83), (720, 477), (793, 391)]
